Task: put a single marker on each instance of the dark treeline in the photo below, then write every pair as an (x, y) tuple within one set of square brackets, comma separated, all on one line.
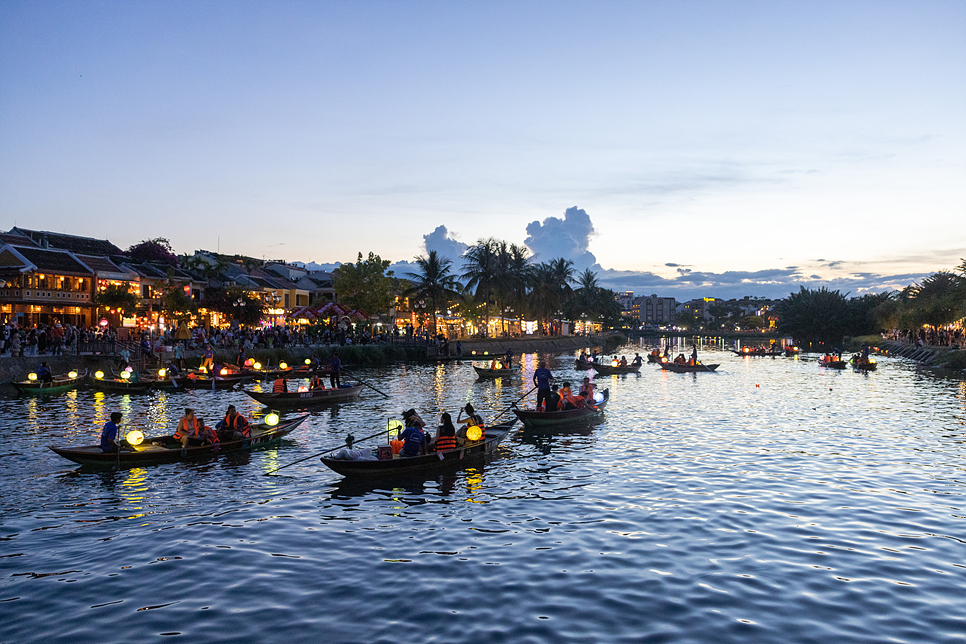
[(823, 316)]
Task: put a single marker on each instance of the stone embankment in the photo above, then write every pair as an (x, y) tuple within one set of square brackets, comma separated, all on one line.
[(933, 356)]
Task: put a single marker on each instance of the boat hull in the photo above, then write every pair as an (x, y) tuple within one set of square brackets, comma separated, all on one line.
[(152, 453), (494, 373), (533, 419), (58, 385), (301, 398), (683, 368), (121, 386), (418, 465), (609, 370)]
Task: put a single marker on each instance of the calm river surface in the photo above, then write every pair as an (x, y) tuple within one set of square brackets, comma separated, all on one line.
[(772, 501)]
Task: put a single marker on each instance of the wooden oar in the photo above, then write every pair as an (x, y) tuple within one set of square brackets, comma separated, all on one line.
[(380, 433), (361, 381), (515, 402)]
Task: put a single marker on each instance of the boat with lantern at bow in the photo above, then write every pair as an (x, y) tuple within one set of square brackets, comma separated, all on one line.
[(119, 385), (401, 466), (863, 364), (59, 384), (207, 381), (535, 419), (611, 369), (758, 352), (486, 372), (164, 449), (345, 393)]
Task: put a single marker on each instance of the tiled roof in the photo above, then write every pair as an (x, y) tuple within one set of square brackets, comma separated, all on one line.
[(73, 243), (15, 239), (100, 264), (55, 261)]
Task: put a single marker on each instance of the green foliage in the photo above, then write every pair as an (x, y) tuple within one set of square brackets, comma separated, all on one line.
[(366, 285), (226, 301), (154, 250), (118, 297), (814, 316), (176, 304)]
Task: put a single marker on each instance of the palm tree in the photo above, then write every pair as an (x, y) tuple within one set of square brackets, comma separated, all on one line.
[(433, 281), (480, 272)]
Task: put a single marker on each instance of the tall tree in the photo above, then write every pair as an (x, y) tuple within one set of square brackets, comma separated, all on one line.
[(118, 297), (366, 285), (154, 250), (819, 316), (433, 281), (480, 273)]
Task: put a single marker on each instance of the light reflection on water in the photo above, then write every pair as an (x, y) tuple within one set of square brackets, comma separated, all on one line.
[(772, 501)]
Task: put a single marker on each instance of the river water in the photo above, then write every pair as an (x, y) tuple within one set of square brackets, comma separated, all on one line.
[(772, 501)]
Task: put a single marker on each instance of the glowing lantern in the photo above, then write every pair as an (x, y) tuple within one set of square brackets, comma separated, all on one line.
[(474, 433), (202, 369), (393, 427), (32, 376), (72, 374), (125, 375), (283, 365), (499, 365), (257, 365), (599, 397), (249, 362), (129, 369), (224, 371), (871, 360), (162, 373), (614, 362), (308, 361), (474, 352), (98, 374), (135, 437), (271, 419), (486, 353)]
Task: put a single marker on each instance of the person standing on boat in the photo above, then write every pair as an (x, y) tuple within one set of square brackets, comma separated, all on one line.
[(208, 358), (335, 366), (694, 355), (413, 437), (543, 379), (109, 433), (179, 354)]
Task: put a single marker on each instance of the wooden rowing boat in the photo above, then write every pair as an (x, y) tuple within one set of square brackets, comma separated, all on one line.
[(863, 365), (401, 466), (195, 381), (583, 365), (120, 385), (686, 368), (832, 364), (163, 449), (485, 372), (532, 418), (608, 370), (288, 374), (58, 385), (313, 397), (756, 353), (791, 352)]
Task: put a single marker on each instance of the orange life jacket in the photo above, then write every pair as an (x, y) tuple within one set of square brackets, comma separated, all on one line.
[(396, 445), (445, 443), (279, 387), (239, 424), (183, 429)]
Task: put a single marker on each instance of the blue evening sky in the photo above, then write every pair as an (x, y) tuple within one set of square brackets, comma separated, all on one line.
[(703, 148)]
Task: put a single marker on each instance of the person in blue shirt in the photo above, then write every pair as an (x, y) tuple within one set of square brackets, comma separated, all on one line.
[(413, 437), (335, 366), (109, 433), (543, 379), (43, 373)]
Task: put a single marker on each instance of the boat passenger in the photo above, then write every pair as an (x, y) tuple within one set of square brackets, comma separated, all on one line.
[(553, 403), (109, 433), (587, 390), (680, 359), (43, 373), (445, 434), (623, 362), (472, 419), (280, 386), (171, 369), (234, 426), (413, 437), (567, 399), (187, 428), (316, 383), (207, 435)]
